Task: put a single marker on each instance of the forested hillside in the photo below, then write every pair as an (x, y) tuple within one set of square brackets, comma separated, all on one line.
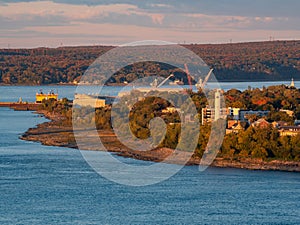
[(276, 60)]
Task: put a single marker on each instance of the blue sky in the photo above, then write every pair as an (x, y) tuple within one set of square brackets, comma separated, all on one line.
[(49, 23)]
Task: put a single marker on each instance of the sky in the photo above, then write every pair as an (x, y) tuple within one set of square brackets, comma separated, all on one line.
[(39, 23)]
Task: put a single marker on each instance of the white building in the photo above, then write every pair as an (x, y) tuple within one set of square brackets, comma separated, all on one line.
[(217, 105)]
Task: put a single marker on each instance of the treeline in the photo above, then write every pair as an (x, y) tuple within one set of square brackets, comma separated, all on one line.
[(45, 65), (271, 98), (261, 143), (273, 60), (277, 60)]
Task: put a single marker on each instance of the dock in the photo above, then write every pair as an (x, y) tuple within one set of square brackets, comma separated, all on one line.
[(20, 106)]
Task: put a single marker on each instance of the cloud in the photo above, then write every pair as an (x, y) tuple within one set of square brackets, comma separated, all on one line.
[(269, 8), (160, 5), (38, 13), (157, 18), (49, 13), (70, 11), (120, 20), (27, 20), (202, 22)]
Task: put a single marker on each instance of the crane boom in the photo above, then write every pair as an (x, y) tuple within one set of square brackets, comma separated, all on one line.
[(201, 84), (207, 77), (164, 81), (188, 76)]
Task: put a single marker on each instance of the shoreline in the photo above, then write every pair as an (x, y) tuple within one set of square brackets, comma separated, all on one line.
[(122, 85), (51, 133)]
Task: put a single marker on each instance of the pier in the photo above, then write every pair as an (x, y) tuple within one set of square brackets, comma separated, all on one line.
[(20, 106)]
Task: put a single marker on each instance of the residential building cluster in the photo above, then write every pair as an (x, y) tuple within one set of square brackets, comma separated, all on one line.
[(239, 119)]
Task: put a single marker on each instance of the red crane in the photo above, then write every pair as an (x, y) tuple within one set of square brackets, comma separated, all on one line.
[(188, 76)]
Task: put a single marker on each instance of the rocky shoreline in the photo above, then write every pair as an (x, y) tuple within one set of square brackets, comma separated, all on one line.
[(54, 134)]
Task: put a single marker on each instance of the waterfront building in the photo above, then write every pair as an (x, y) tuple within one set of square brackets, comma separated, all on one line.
[(40, 97), (94, 101)]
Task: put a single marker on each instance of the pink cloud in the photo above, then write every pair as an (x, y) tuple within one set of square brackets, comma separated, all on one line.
[(157, 18), (94, 24)]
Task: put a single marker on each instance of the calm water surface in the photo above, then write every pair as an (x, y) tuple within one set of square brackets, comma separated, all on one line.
[(13, 93), (51, 185)]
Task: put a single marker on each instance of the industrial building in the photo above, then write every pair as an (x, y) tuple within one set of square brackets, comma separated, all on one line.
[(40, 97), (94, 101)]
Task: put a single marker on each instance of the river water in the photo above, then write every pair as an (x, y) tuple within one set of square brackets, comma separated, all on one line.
[(51, 185), (13, 93)]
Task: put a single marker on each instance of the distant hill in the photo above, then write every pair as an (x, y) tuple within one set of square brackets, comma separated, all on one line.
[(253, 61)]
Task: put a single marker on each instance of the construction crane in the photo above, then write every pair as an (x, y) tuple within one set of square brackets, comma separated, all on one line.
[(188, 76), (201, 84), (155, 82)]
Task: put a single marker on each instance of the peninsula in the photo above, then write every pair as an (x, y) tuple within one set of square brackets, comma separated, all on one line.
[(263, 138)]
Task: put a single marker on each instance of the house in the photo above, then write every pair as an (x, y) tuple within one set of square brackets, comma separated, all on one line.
[(289, 112), (234, 126), (261, 123), (289, 130), (231, 124), (279, 124), (243, 114), (171, 110)]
